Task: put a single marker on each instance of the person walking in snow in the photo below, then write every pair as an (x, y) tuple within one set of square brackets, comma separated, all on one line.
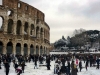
[(48, 62), (98, 60), (80, 65), (23, 66), (86, 65), (73, 68), (68, 67), (19, 70), (7, 66), (35, 61)]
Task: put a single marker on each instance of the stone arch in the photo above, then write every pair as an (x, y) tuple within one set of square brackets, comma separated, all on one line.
[(18, 48), (19, 25), (25, 49), (9, 48), (1, 2), (26, 28), (26, 7), (37, 32), (37, 49), (41, 33), (10, 26), (41, 50), (32, 29), (31, 49), (1, 22), (1, 47), (19, 5), (10, 12)]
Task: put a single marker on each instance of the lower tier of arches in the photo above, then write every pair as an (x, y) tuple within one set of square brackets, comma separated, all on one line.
[(19, 48)]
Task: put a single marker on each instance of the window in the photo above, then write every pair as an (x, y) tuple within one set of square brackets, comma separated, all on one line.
[(19, 5), (10, 12), (1, 2), (1, 22), (26, 8)]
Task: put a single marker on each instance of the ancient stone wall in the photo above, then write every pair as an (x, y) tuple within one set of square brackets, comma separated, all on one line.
[(23, 29)]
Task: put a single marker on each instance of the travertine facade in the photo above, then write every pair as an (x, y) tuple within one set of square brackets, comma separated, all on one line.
[(23, 29)]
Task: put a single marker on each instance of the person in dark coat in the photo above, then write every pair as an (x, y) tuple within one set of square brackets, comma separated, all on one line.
[(73, 68), (80, 65), (23, 66), (15, 66), (35, 61), (0, 61), (48, 62), (7, 66), (86, 65), (98, 60), (63, 61), (68, 68)]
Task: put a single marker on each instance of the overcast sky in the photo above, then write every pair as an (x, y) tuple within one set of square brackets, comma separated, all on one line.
[(64, 16)]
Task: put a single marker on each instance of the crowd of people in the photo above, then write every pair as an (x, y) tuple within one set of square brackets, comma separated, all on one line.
[(64, 64), (20, 60), (73, 64)]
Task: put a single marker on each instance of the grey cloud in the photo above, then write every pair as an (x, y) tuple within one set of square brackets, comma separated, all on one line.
[(92, 9)]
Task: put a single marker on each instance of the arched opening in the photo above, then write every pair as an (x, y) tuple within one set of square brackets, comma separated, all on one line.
[(9, 47), (37, 32), (41, 33), (19, 5), (18, 29), (10, 12), (1, 47), (31, 49), (1, 2), (41, 50), (1, 22), (18, 48), (37, 49), (25, 49), (26, 28), (10, 26), (26, 8), (32, 29)]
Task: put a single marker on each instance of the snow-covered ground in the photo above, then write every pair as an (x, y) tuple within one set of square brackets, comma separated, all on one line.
[(42, 70)]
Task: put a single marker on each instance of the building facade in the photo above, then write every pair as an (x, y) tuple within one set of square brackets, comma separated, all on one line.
[(23, 29)]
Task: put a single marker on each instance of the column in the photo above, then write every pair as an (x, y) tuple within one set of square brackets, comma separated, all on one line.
[(28, 49), (29, 30), (43, 34), (38, 34), (5, 24), (14, 27), (4, 49), (39, 50), (34, 49), (22, 30), (22, 50), (14, 49)]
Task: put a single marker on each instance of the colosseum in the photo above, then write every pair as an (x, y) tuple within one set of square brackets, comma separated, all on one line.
[(23, 29)]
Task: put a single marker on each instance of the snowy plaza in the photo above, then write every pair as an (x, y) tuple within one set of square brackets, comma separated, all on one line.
[(42, 70)]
